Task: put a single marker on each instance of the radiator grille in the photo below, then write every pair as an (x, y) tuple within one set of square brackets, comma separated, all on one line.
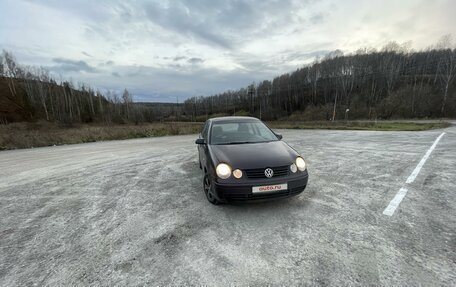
[(259, 172)]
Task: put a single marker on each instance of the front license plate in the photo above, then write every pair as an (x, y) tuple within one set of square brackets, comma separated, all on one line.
[(270, 188)]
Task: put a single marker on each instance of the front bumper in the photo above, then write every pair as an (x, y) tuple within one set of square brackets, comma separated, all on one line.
[(242, 192)]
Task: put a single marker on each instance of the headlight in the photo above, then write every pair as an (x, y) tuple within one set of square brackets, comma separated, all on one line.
[(237, 173), (301, 164), (223, 171), (293, 168)]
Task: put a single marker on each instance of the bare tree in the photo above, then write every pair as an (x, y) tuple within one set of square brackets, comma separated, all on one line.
[(447, 68), (127, 102), (11, 71), (2, 72)]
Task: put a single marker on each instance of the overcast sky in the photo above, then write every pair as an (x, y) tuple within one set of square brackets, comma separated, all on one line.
[(161, 50)]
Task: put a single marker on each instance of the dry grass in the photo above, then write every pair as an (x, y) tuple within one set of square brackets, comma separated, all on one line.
[(361, 125), (27, 135)]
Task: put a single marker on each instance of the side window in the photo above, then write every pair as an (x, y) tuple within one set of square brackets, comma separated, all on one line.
[(205, 130)]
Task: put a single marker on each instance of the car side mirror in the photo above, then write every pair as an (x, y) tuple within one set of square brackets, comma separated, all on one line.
[(279, 136), (200, 141)]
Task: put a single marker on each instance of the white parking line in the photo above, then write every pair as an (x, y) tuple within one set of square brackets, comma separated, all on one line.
[(389, 210), (417, 169), (394, 203)]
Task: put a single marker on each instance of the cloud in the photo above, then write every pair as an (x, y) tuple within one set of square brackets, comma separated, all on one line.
[(187, 22), (317, 18), (166, 48), (86, 54), (178, 58), (67, 65), (225, 24), (148, 83), (195, 60)]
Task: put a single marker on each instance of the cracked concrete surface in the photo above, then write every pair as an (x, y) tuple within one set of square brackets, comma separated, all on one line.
[(133, 212)]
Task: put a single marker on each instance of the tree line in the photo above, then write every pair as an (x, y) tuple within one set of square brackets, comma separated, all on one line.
[(395, 82)]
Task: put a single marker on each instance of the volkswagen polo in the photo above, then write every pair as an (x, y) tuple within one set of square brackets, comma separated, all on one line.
[(244, 160)]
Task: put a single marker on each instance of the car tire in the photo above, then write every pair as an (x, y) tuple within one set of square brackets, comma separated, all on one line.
[(208, 190)]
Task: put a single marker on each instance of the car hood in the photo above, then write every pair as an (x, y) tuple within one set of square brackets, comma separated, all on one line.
[(254, 155)]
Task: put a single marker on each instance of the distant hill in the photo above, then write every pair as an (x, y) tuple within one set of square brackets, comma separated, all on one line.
[(392, 83), (30, 100), (30, 94)]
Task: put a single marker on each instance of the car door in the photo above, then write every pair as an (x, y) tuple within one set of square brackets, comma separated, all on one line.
[(202, 148)]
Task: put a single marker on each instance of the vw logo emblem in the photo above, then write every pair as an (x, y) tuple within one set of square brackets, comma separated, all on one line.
[(268, 172)]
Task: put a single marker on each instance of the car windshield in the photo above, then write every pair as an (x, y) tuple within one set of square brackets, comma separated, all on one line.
[(240, 133)]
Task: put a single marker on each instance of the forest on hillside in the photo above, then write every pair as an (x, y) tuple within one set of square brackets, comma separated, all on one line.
[(30, 93), (395, 82)]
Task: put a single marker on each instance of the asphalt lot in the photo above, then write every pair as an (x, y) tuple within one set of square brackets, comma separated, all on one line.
[(133, 212)]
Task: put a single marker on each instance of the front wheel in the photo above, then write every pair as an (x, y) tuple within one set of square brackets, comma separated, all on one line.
[(207, 184)]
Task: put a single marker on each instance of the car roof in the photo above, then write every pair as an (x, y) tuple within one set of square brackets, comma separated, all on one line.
[(233, 119)]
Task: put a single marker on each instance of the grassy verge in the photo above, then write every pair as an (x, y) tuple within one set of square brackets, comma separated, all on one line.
[(27, 135), (361, 125)]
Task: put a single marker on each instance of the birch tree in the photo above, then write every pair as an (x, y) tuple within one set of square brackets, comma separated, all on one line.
[(447, 68)]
